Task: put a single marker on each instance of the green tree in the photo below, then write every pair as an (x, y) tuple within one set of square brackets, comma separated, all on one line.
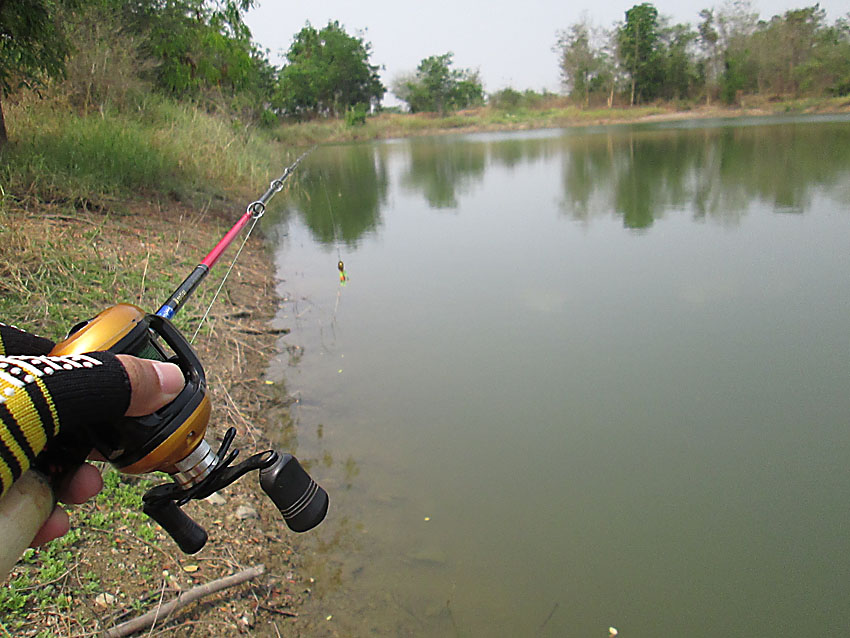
[(784, 45), (710, 62), (579, 61), (827, 69), (679, 72), (736, 22), (198, 45), (638, 49), (436, 87), (328, 72), (33, 46), (199, 50)]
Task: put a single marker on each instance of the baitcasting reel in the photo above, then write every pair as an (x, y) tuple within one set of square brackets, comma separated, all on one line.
[(172, 440)]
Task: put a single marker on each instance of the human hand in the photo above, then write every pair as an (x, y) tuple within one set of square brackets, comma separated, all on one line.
[(153, 384)]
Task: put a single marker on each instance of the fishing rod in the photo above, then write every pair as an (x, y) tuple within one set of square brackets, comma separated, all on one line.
[(252, 214), (172, 439)]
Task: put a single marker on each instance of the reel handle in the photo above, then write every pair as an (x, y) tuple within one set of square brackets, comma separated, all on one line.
[(189, 536)]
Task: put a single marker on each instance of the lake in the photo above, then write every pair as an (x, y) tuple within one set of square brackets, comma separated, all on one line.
[(576, 379)]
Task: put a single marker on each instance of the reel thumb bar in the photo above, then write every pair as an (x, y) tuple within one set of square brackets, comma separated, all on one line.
[(254, 211)]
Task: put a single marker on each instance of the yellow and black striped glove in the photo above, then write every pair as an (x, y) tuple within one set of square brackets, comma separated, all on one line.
[(41, 395)]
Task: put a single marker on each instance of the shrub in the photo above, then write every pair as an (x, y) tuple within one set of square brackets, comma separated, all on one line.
[(355, 115)]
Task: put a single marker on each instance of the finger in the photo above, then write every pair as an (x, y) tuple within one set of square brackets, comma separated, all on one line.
[(83, 484), (153, 384), (56, 525)]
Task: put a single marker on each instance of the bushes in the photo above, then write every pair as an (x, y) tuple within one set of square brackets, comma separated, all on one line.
[(511, 100), (355, 115)]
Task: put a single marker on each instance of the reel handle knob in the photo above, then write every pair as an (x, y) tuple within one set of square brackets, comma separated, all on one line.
[(188, 535), (301, 501)]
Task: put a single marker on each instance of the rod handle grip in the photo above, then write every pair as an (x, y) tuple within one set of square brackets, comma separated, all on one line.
[(23, 510)]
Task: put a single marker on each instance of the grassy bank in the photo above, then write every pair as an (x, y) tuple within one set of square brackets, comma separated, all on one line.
[(67, 265), (164, 151), (556, 115)]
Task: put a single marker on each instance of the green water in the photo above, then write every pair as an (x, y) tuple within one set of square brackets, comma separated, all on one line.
[(576, 379)]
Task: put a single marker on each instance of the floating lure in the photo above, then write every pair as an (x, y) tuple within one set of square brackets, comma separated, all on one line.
[(343, 276)]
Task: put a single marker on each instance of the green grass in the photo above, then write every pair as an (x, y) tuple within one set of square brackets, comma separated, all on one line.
[(88, 218), (77, 156), (165, 150)]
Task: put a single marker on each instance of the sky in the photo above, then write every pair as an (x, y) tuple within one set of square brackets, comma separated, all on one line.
[(510, 44)]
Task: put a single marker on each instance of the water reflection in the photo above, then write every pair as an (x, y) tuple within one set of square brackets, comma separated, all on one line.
[(441, 169), (341, 192), (718, 172), (637, 173)]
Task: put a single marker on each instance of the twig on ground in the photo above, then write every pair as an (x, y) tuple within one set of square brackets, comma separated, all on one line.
[(282, 612), (144, 276), (189, 596), (159, 605), (548, 618)]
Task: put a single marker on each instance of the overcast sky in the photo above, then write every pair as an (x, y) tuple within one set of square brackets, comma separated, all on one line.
[(509, 43)]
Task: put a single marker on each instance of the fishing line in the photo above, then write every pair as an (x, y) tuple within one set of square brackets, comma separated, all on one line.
[(343, 276), (224, 279), (333, 221)]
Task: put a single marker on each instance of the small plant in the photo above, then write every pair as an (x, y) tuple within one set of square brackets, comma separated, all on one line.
[(356, 115), (268, 119)]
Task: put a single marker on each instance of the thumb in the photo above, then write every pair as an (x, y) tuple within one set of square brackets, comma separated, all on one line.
[(153, 384)]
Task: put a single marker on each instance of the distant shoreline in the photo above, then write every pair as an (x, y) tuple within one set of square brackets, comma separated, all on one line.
[(487, 119)]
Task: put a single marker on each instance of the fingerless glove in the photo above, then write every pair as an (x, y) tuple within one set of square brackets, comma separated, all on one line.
[(41, 395)]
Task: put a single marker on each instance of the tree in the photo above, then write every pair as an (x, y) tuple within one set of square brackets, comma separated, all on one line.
[(33, 46), (436, 87), (710, 64), (784, 44), (828, 68), (587, 64), (637, 41), (198, 45), (578, 61), (736, 23), (680, 76), (328, 72)]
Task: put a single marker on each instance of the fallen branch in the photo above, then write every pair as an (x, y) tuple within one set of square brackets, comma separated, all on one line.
[(282, 612), (188, 596), (267, 331)]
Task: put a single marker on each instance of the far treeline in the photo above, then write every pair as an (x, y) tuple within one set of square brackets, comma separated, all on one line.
[(730, 53), (110, 55)]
